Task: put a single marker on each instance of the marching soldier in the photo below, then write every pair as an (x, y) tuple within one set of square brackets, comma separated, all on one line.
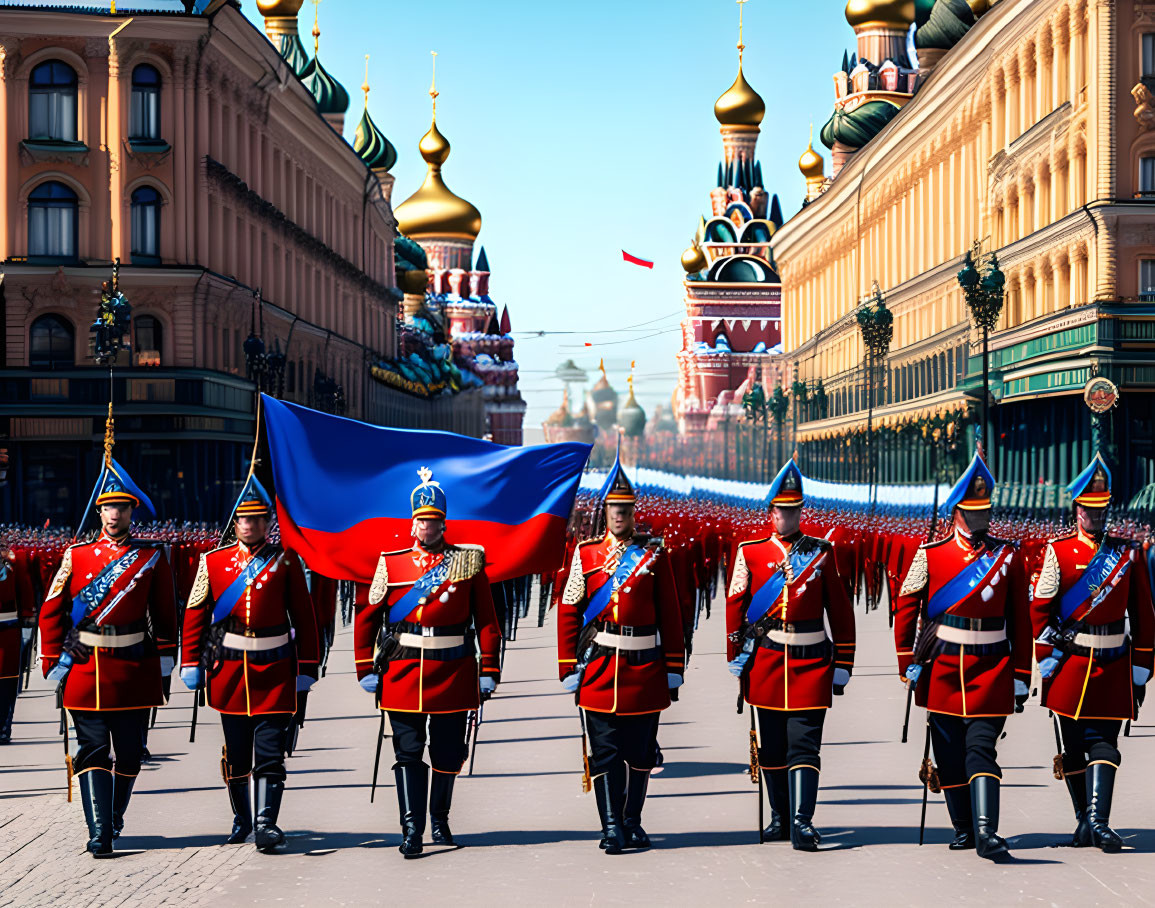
[(17, 615), (108, 635), (417, 634), (621, 651), (783, 590), (963, 637), (1089, 584), (250, 636)]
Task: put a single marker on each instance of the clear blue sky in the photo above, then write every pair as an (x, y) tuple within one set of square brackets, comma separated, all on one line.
[(581, 129)]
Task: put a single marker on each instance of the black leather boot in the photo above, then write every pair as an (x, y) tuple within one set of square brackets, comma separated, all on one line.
[(958, 805), (96, 798), (242, 805), (440, 799), (1077, 789), (1100, 786), (609, 792), (637, 781), (269, 836), (778, 792), (985, 810), (121, 794), (9, 689), (412, 794), (803, 783)]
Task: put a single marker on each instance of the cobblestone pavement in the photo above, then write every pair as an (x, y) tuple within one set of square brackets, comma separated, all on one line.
[(526, 830)]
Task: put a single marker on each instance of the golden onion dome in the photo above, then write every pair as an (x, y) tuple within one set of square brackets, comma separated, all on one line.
[(279, 9), (811, 163), (739, 104), (899, 13), (433, 210), (693, 260)]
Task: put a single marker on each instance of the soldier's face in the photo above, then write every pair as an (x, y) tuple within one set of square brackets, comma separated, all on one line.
[(428, 531), (620, 520), (972, 522), (786, 520), (252, 529), (1091, 520), (116, 518)]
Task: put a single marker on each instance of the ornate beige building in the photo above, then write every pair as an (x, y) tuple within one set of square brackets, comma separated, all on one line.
[(1021, 135)]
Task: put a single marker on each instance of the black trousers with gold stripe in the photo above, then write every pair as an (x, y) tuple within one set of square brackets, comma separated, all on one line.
[(109, 738), (789, 737), (1090, 741), (965, 747)]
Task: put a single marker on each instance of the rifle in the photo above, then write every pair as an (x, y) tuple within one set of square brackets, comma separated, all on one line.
[(587, 783), (377, 758), (198, 695), (478, 715), (906, 720), (756, 776)]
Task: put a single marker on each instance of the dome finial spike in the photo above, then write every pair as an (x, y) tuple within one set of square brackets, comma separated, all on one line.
[(433, 92), (741, 46), (316, 27), (810, 143), (365, 86)]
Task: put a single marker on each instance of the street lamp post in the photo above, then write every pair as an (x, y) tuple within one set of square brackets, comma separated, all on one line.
[(876, 322), (983, 287)]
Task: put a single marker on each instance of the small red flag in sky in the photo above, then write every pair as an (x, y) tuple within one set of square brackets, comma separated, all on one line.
[(634, 260), (46, 522)]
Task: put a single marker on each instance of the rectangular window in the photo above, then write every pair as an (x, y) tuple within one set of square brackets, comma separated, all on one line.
[(1147, 280), (144, 116), (1147, 175), (145, 231), (52, 231), (1149, 54)]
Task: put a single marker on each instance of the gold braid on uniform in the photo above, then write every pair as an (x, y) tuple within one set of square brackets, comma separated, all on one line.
[(1047, 586), (917, 576), (62, 575), (741, 579), (465, 561), (380, 581), (200, 587), (575, 584)]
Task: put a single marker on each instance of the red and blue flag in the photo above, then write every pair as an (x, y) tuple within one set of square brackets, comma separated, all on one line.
[(343, 488)]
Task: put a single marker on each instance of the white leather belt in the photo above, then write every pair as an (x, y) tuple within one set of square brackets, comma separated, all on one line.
[(421, 641), (794, 638), (9, 616), (254, 644), (621, 641), (110, 641), (1097, 641), (966, 637)]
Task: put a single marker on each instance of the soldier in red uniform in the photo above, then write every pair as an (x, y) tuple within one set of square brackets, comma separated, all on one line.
[(108, 633), (783, 590), (417, 633), (250, 634), (17, 614), (621, 650), (970, 660), (1090, 583)]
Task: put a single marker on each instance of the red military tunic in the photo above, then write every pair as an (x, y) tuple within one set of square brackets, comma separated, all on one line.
[(781, 677), (122, 677), (275, 604), (976, 680), (423, 678), (17, 610), (617, 680), (1086, 685)]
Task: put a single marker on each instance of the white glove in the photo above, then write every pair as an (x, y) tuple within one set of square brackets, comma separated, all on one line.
[(167, 664), (304, 683), (1140, 675), (25, 635), (488, 685), (673, 680), (572, 682), (192, 677), (841, 677), (369, 683)]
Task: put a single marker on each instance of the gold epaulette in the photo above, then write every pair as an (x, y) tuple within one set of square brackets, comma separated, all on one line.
[(465, 562), (380, 583), (62, 575), (200, 587)]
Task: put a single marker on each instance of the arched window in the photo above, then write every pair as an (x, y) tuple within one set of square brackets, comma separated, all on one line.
[(144, 113), (52, 222), (145, 225), (52, 102), (51, 343), (149, 338)]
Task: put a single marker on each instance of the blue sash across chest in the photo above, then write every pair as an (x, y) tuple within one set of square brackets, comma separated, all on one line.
[(601, 597), (1097, 571), (229, 598), (770, 591), (421, 589), (92, 595), (962, 584)]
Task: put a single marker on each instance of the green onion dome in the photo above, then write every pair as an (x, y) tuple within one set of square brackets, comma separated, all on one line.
[(371, 145)]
